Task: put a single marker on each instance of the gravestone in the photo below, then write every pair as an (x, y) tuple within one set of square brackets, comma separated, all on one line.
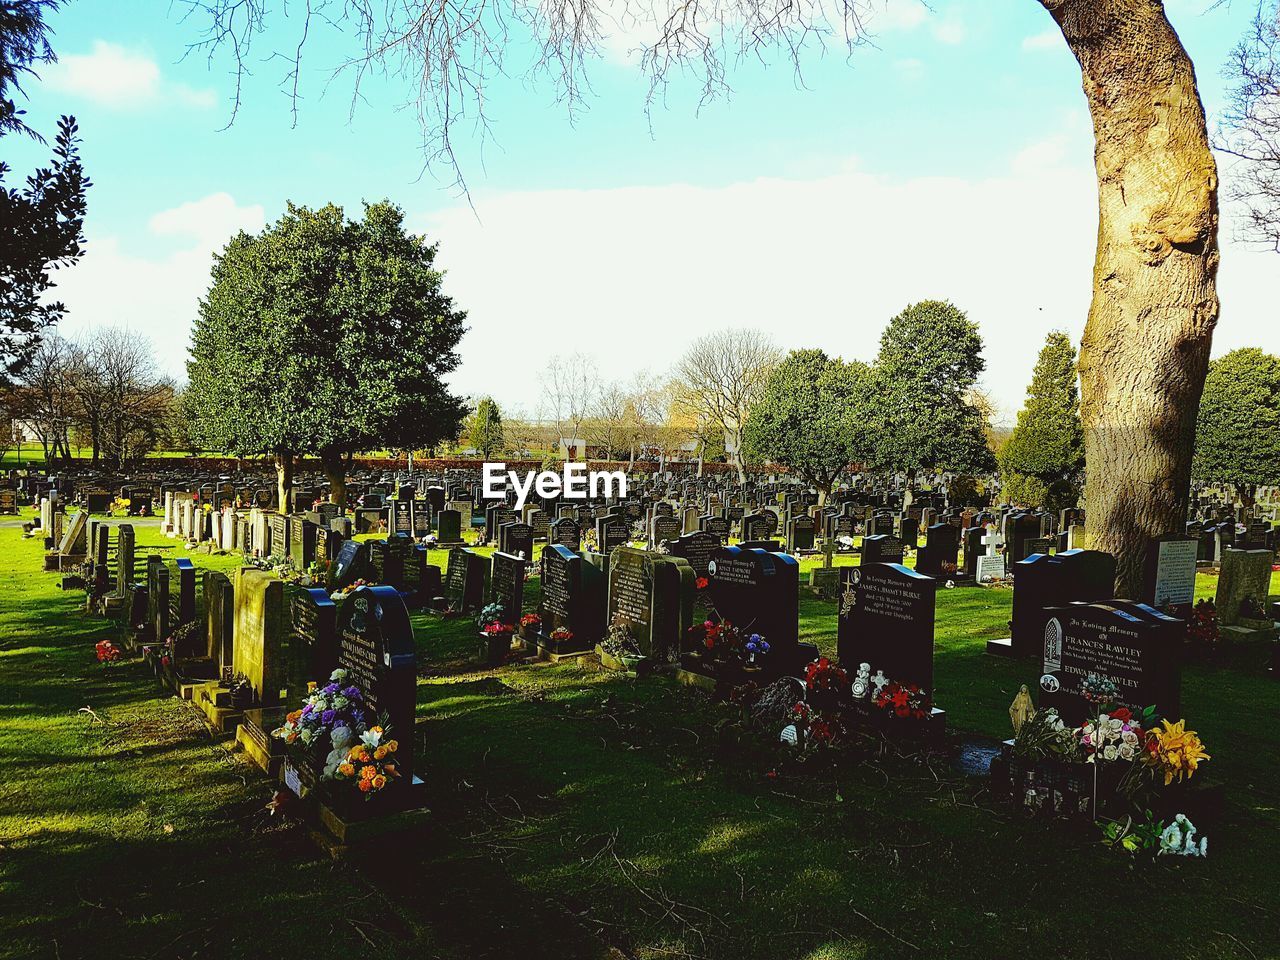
[(663, 529), (352, 564), (881, 548), (314, 638), (1131, 651), (464, 580), (449, 527), (937, 558), (759, 592), (651, 596), (375, 647), (1042, 581), (1244, 586), (1169, 573), (696, 549), (567, 532), (800, 535), (516, 538), (573, 597), (506, 585), (220, 611), (886, 620), (259, 634)]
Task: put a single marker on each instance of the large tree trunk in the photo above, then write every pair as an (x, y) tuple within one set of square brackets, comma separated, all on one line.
[(284, 480), (1145, 350), (335, 470)]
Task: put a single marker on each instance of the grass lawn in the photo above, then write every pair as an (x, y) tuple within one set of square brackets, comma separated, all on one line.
[(576, 812)]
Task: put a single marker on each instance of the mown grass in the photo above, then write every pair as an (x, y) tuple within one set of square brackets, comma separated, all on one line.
[(576, 811)]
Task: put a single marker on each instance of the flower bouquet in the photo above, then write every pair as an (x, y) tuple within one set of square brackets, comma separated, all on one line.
[(370, 763), (330, 720), (495, 636), (530, 623)]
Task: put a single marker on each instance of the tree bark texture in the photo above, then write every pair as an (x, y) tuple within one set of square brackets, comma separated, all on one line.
[(335, 470), (1145, 350)]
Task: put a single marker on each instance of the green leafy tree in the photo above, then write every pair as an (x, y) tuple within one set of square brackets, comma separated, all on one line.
[(811, 416), (41, 222), (324, 335), (929, 362), (1042, 461), (1238, 427), (485, 430)]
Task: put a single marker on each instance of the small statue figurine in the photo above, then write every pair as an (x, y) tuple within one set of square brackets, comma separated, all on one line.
[(879, 681), (862, 682), (1022, 709)]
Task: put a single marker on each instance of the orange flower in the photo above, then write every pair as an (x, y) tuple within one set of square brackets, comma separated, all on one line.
[(392, 746), (368, 773), (379, 782), (375, 729), (347, 770), (379, 753), (364, 786)]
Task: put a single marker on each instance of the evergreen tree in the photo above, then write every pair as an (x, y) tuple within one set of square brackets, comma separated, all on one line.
[(1238, 426), (486, 428), (929, 362), (324, 336), (1042, 461), (811, 417)]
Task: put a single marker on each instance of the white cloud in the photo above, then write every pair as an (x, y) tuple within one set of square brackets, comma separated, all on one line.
[(632, 274), (120, 78), (1051, 39), (155, 296), (950, 32)]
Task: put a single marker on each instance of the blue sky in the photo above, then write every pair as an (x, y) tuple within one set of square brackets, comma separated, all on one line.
[(949, 158)]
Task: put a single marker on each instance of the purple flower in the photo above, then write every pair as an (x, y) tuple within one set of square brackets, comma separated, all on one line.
[(306, 709), (351, 693), (330, 690), (327, 717)]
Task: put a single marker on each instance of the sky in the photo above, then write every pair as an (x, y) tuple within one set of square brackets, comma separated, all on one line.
[(948, 158)]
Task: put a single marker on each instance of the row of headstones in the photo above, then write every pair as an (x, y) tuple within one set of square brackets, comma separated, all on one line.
[(885, 619)]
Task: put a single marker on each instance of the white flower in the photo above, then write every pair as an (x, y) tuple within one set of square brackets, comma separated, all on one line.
[(306, 735), (1116, 724), (1109, 753), (371, 739), (1130, 738), (1126, 751), (339, 702), (338, 675)]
